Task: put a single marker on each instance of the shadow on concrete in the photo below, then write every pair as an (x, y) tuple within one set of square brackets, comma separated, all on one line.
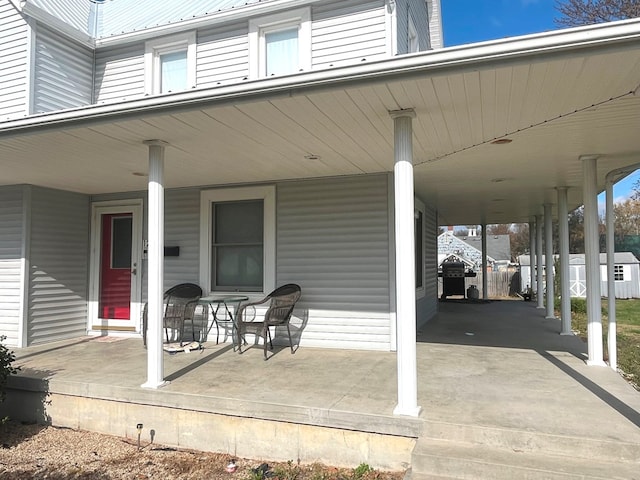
[(622, 408), (508, 324), (198, 363)]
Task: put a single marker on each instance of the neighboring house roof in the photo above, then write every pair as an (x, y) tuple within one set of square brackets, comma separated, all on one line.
[(102, 19), (498, 246), (578, 258)]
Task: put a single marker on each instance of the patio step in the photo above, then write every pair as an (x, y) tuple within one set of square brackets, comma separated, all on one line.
[(441, 459), (462, 451), (528, 441)]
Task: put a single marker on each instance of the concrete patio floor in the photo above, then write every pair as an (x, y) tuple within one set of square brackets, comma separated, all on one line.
[(495, 373)]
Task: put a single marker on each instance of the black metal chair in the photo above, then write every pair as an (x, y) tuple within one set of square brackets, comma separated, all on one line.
[(281, 304), (179, 303)]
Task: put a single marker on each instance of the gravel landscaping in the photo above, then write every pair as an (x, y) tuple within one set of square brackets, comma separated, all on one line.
[(45, 452)]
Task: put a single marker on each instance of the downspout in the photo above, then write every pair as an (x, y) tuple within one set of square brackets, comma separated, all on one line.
[(610, 179)]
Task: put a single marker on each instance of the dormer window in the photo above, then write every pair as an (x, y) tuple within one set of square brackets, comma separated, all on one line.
[(170, 64), (280, 44)]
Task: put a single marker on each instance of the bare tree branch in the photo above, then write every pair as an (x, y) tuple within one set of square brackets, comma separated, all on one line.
[(586, 12)]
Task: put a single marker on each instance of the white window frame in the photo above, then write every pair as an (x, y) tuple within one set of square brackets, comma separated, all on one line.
[(420, 207), (174, 43), (258, 27), (413, 42), (265, 193), (621, 272)]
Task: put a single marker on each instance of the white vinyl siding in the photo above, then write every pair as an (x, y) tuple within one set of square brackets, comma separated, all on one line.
[(120, 73), (412, 12), (58, 270), (345, 34), (222, 56), (11, 262), (332, 240), (182, 216), (63, 75), (14, 60)]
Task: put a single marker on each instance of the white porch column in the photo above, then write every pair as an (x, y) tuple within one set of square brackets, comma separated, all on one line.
[(592, 260), (565, 280), (548, 256), (405, 263), (539, 276), (155, 262), (485, 282), (612, 334), (532, 255)]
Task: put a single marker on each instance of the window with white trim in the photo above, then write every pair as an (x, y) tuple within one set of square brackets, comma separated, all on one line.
[(618, 273), (280, 44), (170, 63), (237, 242)]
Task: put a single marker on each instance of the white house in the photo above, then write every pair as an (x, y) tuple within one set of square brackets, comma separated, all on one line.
[(626, 274), (315, 142)]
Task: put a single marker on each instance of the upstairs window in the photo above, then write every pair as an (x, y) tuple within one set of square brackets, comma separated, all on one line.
[(280, 44), (413, 44), (170, 64)]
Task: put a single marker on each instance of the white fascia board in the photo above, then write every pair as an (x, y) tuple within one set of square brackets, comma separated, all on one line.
[(57, 25), (456, 58), (241, 13)]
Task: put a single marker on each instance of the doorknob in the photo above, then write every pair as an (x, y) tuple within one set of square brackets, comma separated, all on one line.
[(134, 270)]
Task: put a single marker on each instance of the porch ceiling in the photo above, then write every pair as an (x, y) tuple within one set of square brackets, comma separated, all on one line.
[(554, 97)]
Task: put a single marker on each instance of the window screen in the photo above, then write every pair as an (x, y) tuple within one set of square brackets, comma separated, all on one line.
[(237, 251)]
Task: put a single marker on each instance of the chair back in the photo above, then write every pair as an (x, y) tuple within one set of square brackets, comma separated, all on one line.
[(179, 303), (283, 301)]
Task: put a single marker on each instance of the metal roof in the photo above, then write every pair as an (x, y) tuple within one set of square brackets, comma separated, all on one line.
[(578, 258), (102, 19)]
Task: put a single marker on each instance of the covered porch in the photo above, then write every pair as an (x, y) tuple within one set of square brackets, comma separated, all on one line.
[(501, 392)]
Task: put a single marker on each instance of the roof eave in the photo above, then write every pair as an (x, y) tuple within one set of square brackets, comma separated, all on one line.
[(469, 56), (59, 25)]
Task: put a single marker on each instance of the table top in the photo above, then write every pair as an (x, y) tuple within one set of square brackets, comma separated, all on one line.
[(223, 298)]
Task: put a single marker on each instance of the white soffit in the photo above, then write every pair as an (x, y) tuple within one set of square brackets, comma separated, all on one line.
[(556, 96)]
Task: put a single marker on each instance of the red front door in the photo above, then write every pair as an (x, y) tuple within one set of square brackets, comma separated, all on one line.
[(115, 266)]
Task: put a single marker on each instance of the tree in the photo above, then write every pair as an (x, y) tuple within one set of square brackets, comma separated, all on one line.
[(586, 12), (635, 191), (499, 229), (627, 217), (519, 237), (576, 231)]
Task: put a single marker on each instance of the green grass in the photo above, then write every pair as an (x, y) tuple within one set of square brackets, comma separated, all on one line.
[(628, 330)]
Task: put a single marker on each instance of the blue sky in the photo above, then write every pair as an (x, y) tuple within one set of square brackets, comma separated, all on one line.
[(469, 21)]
